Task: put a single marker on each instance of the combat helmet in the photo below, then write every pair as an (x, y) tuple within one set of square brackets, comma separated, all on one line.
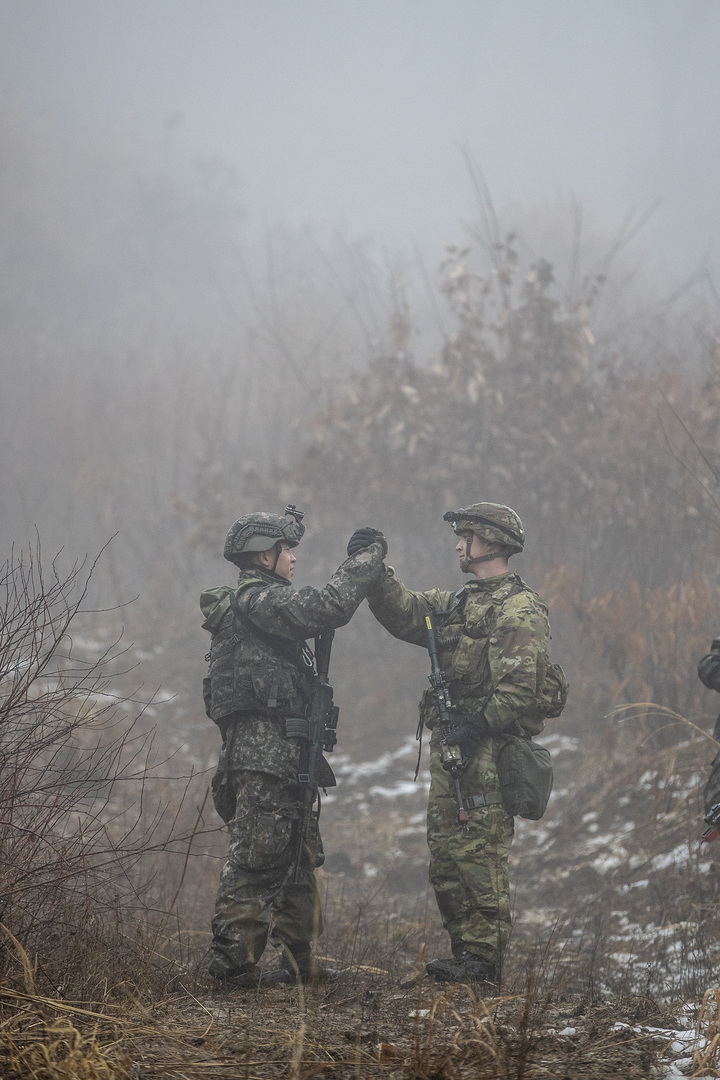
[(261, 532), (493, 523)]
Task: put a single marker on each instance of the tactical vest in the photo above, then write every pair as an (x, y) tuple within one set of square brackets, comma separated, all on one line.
[(463, 646), (246, 674)]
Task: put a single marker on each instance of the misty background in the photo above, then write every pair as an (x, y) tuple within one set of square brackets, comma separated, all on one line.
[(379, 260), (218, 219)]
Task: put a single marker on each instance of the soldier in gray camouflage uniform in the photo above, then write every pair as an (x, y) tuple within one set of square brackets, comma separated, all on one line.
[(258, 678), (494, 648)]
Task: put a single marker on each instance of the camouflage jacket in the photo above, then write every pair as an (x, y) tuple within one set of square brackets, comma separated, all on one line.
[(494, 647), (252, 688)]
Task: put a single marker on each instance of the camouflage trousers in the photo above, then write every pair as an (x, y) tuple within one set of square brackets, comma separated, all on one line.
[(256, 899), (469, 866)]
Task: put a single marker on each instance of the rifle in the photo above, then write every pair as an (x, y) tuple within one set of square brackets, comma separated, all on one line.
[(450, 755), (317, 734), (712, 820)]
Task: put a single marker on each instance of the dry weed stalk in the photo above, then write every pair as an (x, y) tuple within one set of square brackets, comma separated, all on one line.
[(476, 1040), (708, 1027)]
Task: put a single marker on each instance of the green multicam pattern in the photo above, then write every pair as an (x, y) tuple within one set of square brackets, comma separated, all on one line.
[(469, 868), (253, 690), (503, 647), (494, 650), (256, 900), (496, 512)]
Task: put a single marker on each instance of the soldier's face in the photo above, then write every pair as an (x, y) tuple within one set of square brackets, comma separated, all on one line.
[(478, 547), (286, 562)]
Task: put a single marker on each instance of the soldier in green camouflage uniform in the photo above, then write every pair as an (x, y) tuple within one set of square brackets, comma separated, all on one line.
[(258, 678), (494, 649)]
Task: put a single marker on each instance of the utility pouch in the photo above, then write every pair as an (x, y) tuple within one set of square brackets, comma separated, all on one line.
[(526, 776)]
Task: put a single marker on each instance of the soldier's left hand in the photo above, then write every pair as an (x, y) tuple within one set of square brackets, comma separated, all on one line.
[(363, 538)]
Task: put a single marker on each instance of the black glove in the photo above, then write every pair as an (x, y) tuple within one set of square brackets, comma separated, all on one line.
[(473, 729), (363, 538)]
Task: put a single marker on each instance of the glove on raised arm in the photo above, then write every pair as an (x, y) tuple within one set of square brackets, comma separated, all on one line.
[(363, 538)]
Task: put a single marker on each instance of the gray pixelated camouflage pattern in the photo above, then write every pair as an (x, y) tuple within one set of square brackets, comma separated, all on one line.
[(252, 686), (253, 691), (497, 644), (256, 899), (269, 527)]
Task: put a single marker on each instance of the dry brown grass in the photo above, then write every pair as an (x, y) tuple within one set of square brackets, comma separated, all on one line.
[(706, 1059)]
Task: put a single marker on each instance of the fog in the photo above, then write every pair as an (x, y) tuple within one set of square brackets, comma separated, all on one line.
[(216, 216), (350, 113), (380, 260)]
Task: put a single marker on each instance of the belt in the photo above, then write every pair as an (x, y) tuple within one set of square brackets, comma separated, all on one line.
[(493, 798)]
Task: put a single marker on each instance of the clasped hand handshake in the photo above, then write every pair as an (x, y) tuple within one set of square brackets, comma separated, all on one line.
[(363, 538)]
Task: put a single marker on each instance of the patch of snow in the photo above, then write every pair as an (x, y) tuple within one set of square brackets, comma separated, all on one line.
[(561, 743), (678, 854), (403, 787), (634, 885)]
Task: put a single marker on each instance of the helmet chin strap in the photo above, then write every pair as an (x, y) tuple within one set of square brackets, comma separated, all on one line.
[(278, 550), (468, 560)]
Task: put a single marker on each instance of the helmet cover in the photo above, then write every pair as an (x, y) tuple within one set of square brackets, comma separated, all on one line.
[(492, 522), (260, 532)]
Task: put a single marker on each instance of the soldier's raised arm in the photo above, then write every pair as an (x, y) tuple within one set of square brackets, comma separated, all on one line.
[(400, 610)]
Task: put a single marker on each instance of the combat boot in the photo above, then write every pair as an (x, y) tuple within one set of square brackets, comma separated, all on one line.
[(244, 978), (466, 968), (307, 970)]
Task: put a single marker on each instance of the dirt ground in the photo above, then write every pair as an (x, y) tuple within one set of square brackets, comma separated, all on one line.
[(366, 1024)]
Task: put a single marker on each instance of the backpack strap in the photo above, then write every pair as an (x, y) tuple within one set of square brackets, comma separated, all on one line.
[(296, 654)]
